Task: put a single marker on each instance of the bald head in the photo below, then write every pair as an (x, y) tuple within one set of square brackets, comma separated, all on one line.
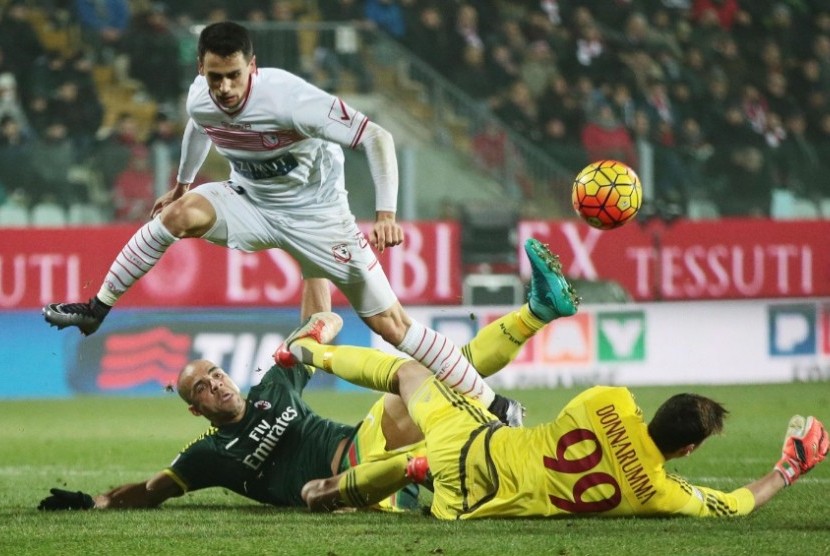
[(187, 376), (210, 392)]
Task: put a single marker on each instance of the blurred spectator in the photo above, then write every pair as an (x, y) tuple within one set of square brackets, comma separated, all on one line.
[(810, 94), (663, 32), (429, 39), (520, 112), (489, 146), (48, 71), (622, 101), (746, 185), (114, 147), (82, 114), (802, 171), (559, 101), (683, 102), (15, 158), (133, 190), (510, 34), (774, 132), (671, 183), (472, 77), (776, 92), (715, 101), (339, 49), (755, 107), (388, 16), (103, 25), (822, 143), (733, 132), (659, 109), (19, 41), (821, 52), (728, 58), (538, 67), (10, 106), (695, 72), (781, 27), (466, 31), (52, 178), (502, 67), (770, 60), (724, 12), (38, 113), (591, 55), (694, 150), (164, 143), (287, 55), (604, 136), (152, 49), (561, 144)]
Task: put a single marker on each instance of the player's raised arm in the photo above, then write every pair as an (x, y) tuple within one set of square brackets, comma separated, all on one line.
[(147, 494), (383, 165)]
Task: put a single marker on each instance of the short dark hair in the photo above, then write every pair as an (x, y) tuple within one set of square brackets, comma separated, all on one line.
[(225, 38), (685, 419)]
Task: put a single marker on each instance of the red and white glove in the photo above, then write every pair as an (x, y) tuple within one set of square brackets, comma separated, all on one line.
[(805, 445)]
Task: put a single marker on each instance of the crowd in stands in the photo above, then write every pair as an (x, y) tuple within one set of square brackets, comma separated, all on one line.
[(730, 99)]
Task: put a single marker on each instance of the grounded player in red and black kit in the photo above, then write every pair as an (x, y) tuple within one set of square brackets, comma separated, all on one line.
[(270, 445), (283, 139)]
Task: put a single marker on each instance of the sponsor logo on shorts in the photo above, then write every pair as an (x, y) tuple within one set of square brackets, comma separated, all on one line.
[(341, 253)]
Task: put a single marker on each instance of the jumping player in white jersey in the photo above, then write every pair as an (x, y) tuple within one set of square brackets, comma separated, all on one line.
[(282, 137)]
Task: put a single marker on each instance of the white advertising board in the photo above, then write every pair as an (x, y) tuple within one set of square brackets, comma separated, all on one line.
[(704, 342)]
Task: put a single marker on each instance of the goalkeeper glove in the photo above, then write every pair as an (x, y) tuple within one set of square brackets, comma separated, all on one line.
[(66, 500), (805, 445)]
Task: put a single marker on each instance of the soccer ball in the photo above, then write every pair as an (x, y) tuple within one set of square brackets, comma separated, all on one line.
[(607, 194)]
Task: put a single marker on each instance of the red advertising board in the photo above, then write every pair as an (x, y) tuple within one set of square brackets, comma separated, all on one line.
[(39, 266), (723, 259), (686, 260)]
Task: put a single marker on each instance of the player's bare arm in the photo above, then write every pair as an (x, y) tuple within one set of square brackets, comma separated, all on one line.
[(383, 165), (386, 232), (147, 494)]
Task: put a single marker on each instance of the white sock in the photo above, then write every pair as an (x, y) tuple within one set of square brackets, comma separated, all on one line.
[(447, 363), (135, 260)]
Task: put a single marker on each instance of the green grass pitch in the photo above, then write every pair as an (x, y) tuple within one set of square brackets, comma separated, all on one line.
[(93, 444)]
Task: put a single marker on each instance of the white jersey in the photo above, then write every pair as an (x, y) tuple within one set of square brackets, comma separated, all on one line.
[(283, 142)]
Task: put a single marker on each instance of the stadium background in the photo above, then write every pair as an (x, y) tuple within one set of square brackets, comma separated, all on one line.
[(720, 106)]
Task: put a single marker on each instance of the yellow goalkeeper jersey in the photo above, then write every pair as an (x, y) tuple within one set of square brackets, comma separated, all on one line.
[(596, 457)]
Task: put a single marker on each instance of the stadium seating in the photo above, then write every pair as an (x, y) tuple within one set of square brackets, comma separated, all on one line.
[(48, 215), (14, 215)]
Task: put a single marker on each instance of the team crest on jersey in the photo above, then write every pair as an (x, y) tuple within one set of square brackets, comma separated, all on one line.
[(341, 253), (270, 140), (341, 113), (264, 405)]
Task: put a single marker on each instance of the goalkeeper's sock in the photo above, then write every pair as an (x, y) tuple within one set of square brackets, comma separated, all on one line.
[(369, 483), (498, 343), (370, 368)]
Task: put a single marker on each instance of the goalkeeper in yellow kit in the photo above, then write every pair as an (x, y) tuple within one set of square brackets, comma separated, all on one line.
[(598, 456)]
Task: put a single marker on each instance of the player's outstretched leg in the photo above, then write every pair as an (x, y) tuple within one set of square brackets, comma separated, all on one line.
[(86, 316), (323, 327), (551, 296)]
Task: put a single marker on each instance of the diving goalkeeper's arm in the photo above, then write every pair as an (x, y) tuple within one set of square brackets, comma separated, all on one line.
[(805, 445), (147, 494)]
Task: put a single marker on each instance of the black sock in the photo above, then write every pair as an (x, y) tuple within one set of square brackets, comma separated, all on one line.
[(99, 308)]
